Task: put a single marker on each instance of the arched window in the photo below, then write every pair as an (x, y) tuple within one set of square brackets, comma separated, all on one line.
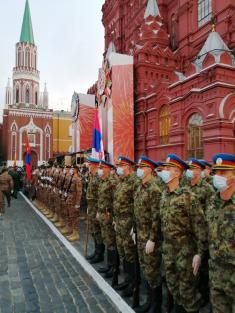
[(173, 36), (195, 143), (164, 124), (27, 96), (17, 95)]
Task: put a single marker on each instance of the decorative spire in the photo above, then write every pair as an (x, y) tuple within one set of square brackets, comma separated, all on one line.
[(152, 9), (27, 29)]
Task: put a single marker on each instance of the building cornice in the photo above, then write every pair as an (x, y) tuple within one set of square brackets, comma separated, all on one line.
[(30, 113)]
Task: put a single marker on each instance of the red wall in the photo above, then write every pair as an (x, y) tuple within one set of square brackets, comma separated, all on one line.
[(209, 93)]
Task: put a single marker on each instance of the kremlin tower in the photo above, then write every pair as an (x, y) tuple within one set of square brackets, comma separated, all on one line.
[(26, 107)]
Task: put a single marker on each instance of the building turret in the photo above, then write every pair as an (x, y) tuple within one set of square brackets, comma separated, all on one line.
[(8, 96)]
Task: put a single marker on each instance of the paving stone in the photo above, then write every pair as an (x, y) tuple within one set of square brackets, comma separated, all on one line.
[(37, 273)]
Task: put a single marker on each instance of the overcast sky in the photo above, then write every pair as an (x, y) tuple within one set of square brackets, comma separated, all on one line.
[(70, 38)]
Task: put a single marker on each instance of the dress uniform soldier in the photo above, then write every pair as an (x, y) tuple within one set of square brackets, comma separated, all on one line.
[(73, 204), (92, 209), (105, 218), (221, 221), (204, 193), (59, 191), (123, 204), (206, 174), (184, 237), (56, 179), (147, 222), (64, 206)]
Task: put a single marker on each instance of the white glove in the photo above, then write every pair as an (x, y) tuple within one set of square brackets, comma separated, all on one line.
[(12, 191), (77, 206), (114, 225), (196, 264), (97, 215), (149, 247), (133, 236)]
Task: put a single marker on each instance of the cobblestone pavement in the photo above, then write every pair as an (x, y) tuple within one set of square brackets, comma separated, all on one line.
[(37, 273)]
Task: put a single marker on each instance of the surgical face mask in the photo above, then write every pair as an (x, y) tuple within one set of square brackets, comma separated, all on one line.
[(189, 174), (64, 171), (120, 171), (100, 172), (166, 176), (220, 182), (140, 173), (71, 172), (159, 174), (203, 175)]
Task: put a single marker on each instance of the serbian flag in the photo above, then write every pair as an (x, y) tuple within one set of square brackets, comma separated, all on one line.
[(97, 143), (28, 160)]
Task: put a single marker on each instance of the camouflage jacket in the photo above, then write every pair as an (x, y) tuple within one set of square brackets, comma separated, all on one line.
[(6, 182), (182, 220), (204, 193), (221, 221), (105, 195), (146, 210), (92, 190), (123, 197)]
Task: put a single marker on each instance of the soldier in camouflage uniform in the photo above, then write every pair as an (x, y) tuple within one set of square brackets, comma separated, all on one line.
[(184, 237), (6, 187), (123, 204), (147, 222), (105, 218), (204, 193), (94, 225), (73, 204), (221, 221)]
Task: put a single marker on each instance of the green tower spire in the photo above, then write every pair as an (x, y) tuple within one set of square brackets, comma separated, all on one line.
[(27, 29)]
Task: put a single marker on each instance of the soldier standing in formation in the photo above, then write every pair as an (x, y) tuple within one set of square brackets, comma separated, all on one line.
[(6, 187), (105, 217), (92, 209), (184, 234), (221, 221), (148, 233), (123, 204)]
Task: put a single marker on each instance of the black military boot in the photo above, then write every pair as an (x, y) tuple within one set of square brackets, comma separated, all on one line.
[(146, 306), (99, 256), (115, 269), (128, 291), (180, 309), (169, 301), (109, 273), (126, 277), (107, 268), (91, 256), (156, 300)]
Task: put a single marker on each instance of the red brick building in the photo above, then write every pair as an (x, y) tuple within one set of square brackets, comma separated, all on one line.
[(26, 108), (184, 55)]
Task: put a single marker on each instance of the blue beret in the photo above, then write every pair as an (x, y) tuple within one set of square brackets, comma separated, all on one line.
[(124, 160), (174, 160), (207, 164), (194, 163), (144, 161), (105, 163), (224, 161)]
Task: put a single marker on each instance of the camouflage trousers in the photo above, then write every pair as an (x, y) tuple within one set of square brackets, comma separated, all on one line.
[(107, 231), (181, 282), (222, 283), (72, 213), (150, 263), (94, 225), (2, 202), (125, 245)]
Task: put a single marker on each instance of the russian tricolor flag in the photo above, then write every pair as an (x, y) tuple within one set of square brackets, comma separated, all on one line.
[(97, 144), (28, 160)]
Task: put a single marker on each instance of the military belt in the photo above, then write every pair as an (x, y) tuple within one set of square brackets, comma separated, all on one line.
[(124, 215), (176, 240)]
